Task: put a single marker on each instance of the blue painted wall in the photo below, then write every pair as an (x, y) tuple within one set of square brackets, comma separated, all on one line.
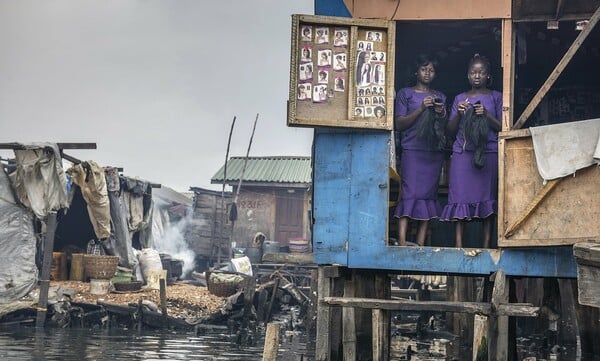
[(331, 8)]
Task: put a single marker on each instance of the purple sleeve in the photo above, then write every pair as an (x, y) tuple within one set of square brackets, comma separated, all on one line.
[(401, 103), (498, 105)]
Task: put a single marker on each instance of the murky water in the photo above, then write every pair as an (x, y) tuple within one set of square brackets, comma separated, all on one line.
[(85, 344)]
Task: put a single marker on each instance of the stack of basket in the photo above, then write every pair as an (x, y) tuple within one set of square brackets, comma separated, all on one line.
[(298, 245)]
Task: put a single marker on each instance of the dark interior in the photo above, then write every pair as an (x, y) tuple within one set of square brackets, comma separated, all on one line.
[(574, 96)]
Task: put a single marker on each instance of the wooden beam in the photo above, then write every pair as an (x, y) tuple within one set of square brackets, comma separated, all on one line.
[(76, 145), (508, 73), (558, 69), (535, 202), (504, 309), (293, 258), (60, 146)]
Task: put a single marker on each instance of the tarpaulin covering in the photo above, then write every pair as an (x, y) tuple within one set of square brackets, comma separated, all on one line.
[(89, 176), (18, 271), (40, 180), (562, 149)]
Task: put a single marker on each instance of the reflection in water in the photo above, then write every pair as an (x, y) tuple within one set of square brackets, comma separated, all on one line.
[(83, 344)]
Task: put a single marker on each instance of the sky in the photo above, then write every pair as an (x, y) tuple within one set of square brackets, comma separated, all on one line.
[(154, 83)]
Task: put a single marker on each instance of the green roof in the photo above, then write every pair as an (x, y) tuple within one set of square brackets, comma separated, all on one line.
[(276, 169)]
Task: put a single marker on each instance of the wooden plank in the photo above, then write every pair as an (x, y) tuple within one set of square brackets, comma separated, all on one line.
[(515, 133), (587, 253), (292, 258), (331, 196), (480, 334), (430, 9), (508, 73), (323, 342), (348, 323), (558, 69), (271, 342), (379, 325), (45, 271), (60, 146), (535, 202), (559, 212), (513, 309)]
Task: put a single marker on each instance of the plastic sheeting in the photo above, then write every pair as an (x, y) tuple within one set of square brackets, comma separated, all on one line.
[(90, 177), (18, 271), (40, 180), (562, 149)]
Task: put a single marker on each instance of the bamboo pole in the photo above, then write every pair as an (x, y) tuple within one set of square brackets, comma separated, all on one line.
[(223, 210)]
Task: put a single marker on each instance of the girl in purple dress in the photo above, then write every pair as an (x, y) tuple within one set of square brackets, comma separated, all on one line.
[(473, 186), (421, 163)]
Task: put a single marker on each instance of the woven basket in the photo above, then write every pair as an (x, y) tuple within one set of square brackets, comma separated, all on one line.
[(223, 284), (128, 286), (100, 267)]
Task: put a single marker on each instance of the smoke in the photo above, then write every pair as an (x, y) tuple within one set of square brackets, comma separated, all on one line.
[(169, 237)]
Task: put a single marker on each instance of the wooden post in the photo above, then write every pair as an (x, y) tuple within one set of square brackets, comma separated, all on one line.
[(271, 342), (45, 274), (379, 325), (480, 334), (348, 323), (323, 342), (558, 69), (383, 290), (163, 297), (498, 325), (508, 73)]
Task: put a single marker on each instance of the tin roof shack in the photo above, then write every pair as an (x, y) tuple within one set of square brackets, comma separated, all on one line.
[(209, 227), (351, 183), (274, 197)]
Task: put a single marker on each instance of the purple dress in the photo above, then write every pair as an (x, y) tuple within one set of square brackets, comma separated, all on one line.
[(472, 192), (420, 166)]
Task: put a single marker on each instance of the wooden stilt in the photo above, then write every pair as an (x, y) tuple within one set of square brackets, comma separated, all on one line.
[(480, 334), (323, 343), (349, 325), (498, 325), (379, 324), (271, 342)]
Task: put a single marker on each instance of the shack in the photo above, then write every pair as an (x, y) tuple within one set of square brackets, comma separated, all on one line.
[(539, 49), (273, 197)]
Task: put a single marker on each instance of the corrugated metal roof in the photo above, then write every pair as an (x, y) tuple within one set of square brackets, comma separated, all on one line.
[(276, 169)]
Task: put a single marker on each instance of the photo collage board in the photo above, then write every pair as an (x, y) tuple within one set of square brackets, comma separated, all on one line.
[(338, 73), (323, 69), (371, 60)]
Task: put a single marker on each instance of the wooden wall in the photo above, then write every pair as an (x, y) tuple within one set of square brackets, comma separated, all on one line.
[(567, 215), (429, 9), (206, 224)]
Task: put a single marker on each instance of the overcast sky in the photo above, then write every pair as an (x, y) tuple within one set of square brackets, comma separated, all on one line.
[(155, 84)]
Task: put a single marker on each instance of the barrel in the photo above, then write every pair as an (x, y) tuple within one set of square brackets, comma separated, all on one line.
[(76, 273), (271, 247), (59, 266), (255, 254)]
